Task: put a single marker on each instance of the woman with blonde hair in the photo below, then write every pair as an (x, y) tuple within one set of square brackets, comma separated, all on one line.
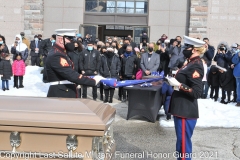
[(187, 89)]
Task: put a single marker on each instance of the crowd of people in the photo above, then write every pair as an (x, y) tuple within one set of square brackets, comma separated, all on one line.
[(123, 59)]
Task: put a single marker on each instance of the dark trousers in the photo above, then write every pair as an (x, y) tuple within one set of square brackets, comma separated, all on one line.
[(35, 60), (215, 91), (94, 92), (124, 91), (224, 95), (106, 93), (15, 79), (184, 131), (3, 84), (101, 88)]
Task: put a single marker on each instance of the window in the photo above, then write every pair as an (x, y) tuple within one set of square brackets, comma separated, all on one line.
[(119, 27), (117, 6)]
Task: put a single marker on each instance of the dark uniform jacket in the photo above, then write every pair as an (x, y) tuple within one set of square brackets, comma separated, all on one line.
[(113, 71), (90, 61), (59, 68), (129, 66), (5, 69), (184, 102), (46, 46)]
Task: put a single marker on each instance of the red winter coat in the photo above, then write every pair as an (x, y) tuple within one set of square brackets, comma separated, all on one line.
[(18, 68)]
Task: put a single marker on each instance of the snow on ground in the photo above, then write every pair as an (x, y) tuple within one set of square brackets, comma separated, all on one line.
[(32, 82), (212, 114)]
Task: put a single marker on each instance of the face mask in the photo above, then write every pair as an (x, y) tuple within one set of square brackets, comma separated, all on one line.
[(36, 39), (114, 46), (187, 53), (179, 42), (90, 48), (1, 42), (18, 41), (110, 54), (128, 52), (76, 48), (150, 49), (99, 46), (53, 41), (69, 47), (125, 46), (121, 43)]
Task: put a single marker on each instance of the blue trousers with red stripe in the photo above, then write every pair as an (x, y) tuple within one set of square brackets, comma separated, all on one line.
[(184, 131)]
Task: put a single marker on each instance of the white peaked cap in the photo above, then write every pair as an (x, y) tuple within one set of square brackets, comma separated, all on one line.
[(66, 32), (193, 41)]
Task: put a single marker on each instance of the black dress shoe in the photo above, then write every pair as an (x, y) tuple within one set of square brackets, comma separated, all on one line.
[(7, 89), (110, 101), (3, 89), (21, 86), (223, 102), (168, 117), (105, 101)]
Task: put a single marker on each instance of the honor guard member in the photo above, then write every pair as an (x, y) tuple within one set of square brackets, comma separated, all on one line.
[(60, 73), (187, 89)]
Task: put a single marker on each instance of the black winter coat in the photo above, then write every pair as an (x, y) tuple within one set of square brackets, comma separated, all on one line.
[(90, 61), (164, 60), (129, 66), (209, 54), (75, 58), (227, 80), (5, 69), (113, 71), (213, 79)]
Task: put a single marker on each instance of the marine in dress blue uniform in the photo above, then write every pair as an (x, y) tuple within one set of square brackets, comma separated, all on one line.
[(60, 69), (187, 89)]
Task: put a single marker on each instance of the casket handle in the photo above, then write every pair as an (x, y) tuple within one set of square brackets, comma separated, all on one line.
[(15, 140)]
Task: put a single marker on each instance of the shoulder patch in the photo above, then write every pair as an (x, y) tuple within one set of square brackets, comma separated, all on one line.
[(195, 74), (64, 62)]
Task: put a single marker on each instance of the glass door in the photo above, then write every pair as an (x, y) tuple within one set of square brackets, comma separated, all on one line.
[(140, 33), (92, 30)]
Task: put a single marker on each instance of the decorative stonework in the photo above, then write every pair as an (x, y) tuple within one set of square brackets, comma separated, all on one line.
[(33, 17), (198, 18)]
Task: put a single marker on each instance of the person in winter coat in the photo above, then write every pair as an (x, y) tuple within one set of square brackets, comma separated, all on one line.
[(110, 68), (103, 52), (224, 55), (18, 69), (226, 81), (213, 81), (18, 47), (164, 59), (5, 71), (236, 73), (5, 47)]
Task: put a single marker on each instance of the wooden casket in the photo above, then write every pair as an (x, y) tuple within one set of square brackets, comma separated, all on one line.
[(55, 128)]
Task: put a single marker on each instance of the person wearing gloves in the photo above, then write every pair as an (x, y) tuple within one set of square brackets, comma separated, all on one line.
[(61, 75), (187, 89)]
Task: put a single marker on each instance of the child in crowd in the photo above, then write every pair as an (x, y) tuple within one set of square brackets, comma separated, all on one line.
[(204, 80), (213, 81), (226, 81), (5, 70), (18, 68)]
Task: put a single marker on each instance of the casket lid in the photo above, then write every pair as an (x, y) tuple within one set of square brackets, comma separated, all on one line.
[(59, 113)]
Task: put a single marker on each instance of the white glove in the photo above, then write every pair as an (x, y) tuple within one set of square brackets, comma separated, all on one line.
[(98, 79), (173, 82)]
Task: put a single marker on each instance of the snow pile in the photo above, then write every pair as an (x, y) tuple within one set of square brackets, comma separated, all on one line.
[(32, 82), (212, 114)]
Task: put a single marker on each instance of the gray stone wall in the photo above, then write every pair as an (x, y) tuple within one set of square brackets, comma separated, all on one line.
[(198, 18), (170, 17), (33, 17), (11, 19)]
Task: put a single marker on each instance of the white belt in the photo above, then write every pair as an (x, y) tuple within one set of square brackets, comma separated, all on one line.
[(61, 82)]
